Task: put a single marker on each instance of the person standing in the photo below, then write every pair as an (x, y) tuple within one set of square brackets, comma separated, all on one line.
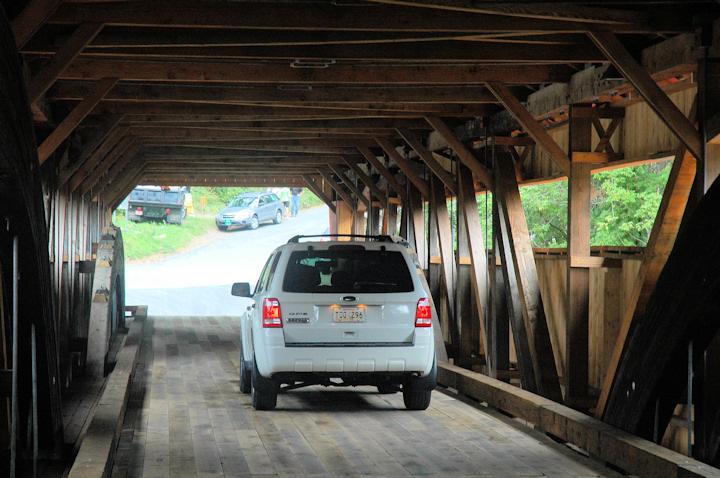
[(295, 200), (284, 195)]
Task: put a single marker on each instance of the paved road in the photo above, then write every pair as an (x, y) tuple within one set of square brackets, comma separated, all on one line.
[(198, 282)]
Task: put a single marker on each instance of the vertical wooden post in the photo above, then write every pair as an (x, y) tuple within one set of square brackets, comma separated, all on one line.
[(578, 277), (391, 218)]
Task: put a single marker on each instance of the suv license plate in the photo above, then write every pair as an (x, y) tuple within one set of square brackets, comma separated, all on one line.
[(228, 222), (349, 315)]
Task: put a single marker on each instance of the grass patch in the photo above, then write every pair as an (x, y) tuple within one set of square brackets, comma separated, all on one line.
[(145, 239)]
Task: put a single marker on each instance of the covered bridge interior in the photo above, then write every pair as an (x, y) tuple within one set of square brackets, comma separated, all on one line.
[(385, 109)]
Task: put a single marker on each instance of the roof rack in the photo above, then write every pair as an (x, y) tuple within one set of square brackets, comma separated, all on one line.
[(377, 238)]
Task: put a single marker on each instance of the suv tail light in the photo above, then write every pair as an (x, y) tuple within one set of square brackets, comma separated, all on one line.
[(423, 315), (271, 313)]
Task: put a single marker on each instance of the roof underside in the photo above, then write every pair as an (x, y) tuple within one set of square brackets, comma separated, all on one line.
[(217, 92)]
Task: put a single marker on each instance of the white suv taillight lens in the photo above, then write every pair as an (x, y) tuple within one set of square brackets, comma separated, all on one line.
[(423, 315), (271, 313)]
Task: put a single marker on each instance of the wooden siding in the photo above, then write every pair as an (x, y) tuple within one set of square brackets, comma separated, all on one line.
[(609, 288)]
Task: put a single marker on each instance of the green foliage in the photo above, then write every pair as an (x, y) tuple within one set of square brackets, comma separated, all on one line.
[(627, 200), (545, 207), (623, 206), (144, 239)]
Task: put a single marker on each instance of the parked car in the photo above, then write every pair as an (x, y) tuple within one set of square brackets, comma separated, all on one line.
[(338, 313), (249, 210), (156, 203)]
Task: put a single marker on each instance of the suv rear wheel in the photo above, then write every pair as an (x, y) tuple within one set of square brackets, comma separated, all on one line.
[(245, 374), (416, 399), (263, 394)]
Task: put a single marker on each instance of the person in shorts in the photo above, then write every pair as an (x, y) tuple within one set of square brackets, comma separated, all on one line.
[(284, 195)]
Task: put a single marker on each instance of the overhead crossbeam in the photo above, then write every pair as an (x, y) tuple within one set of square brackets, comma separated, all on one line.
[(533, 128), (650, 91)]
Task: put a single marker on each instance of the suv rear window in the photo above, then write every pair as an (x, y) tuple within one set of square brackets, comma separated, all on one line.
[(347, 270)]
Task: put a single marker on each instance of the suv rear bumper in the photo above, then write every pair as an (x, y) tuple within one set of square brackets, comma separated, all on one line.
[(274, 357)]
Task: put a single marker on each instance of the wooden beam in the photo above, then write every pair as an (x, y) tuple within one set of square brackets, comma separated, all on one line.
[(296, 17), (394, 183), (416, 219), (254, 111), (404, 165), (126, 145), (53, 68), (534, 129), (210, 93), (540, 346), (512, 293), (438, 207), (33, 16), (82, 69), (578, 278), (379, 193), (432, 50), (350, 184), (467, 204), (660, 244), (443, 174), (65, 171), (466, 156), (114, 171), (650, 91), (74, 119), (82, 168), (575, 13), (318, 192), (338, 189)]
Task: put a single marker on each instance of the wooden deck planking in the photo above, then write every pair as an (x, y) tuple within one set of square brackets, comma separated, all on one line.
[(186, 418)]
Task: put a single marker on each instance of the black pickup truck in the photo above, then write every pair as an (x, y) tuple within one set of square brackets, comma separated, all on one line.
[(157, 203)]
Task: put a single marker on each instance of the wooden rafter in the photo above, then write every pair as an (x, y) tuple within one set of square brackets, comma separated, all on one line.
[(367, 180), (317, 190), (82, 69), (466, 156), (404, 165), (350, 184), (438, 170), (651, 92), (338, 189), (33, 16), (534, 129), (394, 183), (567, 13), (74, 119), (54, 67), (292, 16)]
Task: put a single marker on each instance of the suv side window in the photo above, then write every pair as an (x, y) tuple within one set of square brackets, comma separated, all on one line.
[(267, 274)]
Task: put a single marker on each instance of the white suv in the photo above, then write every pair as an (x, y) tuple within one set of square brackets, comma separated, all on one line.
[(338, 313)]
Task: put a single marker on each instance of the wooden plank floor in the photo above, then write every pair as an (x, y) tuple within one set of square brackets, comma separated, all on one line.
[(186, 417)]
